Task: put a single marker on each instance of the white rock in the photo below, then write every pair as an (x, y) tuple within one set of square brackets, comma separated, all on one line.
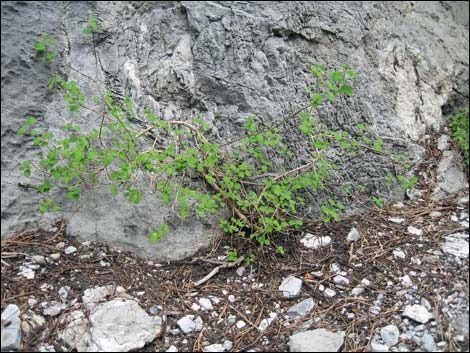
[(94, 295), (357, 291), (39, 259), (240, 324), (406, 281), (205, 303), (198, 324), (334, 267), (319, 340), (195, 307), (46, 348), (121, 326), (442, 142), (55, 256), (353, 235), (351, 316), (228, 345), (375, 346), (26, 272), (321, 287), (417, 313), (291, 286), (396, 220), (415, 231), (231, 298), (314, 242), (435, 214), (64, 292), (427, 343), (172, 349), (70, 250), (365, 282), (399, 254), (76, 330), (264, 324), (455, 244), (240, 271), (186, 324), (11, 333), (54, 309), (60, 245), (390, 335), (340, 280), (214, 348), (301, 309), (329, 292)]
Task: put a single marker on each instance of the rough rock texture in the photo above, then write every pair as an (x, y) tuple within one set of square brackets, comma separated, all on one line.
[(222, 61), (319, 340)]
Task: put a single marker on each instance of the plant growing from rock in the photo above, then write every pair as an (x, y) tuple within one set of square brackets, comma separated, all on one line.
[(460, 132), (263, 200)]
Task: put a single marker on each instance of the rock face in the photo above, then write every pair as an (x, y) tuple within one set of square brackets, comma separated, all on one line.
[(221, 62)]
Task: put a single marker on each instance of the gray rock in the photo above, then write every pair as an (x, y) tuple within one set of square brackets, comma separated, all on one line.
[(341, 280), (55, 256), (231, 298), (442, 142), (456, 245), (357, 291), (427, 343), (435, 214), (301, 309), (461, 324), (417, 313), (290, 286), (64, 292), (450, 176), (353, 235), (197, 67), (187, 324), (11, 328), (120, 326), (206, 303), (311, 241), (172, 349), (390, 335), (319, 340), (39, 259), (376, 346), (265, 323)]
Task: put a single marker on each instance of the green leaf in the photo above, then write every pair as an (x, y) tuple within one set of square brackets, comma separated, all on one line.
[(51, 56), (31, 120), (74, 108), (22, 130), (40, 46), (331, 96), (337, 76), (346, 89)]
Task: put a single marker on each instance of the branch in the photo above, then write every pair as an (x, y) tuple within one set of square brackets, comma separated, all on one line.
[(217, 269)]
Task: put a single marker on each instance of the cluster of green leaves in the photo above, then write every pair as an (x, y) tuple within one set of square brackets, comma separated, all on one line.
[(460, 132), (43, 48), (263, 199)]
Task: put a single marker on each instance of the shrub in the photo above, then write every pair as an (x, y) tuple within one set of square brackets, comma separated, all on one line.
[(264, 201)]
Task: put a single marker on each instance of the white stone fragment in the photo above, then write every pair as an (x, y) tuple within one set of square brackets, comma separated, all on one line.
[(319, 340), (396, 220), (205, 303), (290, 286), (415, 231), (315, 242), (390, 335), (70, 250), (417, 313), (353, 235)]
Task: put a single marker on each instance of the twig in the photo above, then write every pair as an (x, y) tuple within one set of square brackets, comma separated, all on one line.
[(217, 269)]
